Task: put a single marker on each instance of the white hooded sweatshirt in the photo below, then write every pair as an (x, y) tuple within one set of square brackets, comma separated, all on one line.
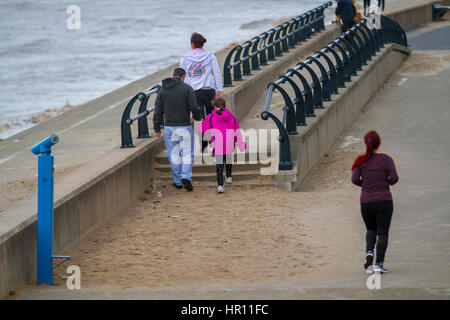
[(202, 70)]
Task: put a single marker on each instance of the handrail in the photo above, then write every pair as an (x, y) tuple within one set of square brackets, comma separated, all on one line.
[(143, 112), (350, 51), (272, 43)]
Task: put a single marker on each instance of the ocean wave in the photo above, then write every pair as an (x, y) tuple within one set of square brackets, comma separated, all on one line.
[(34, 46), (257, 24)]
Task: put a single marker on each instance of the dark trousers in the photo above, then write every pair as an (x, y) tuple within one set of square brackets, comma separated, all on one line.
[(381, 4), (366, 5), (377, 218), (204, 102), (221, 162), (346, 25)]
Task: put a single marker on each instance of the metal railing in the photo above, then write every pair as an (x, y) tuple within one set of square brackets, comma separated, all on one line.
[(350, 52), (143, 112), (271, 44)]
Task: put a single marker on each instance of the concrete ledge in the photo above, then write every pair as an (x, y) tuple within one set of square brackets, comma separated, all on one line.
[(322, 132), (416, 15)]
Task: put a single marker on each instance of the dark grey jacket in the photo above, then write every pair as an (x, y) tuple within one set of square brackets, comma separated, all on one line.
[(174, 102)]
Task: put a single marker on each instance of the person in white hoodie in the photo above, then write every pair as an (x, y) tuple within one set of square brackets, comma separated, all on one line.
[(203, 75)]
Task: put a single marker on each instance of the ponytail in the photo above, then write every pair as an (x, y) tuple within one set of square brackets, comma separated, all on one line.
[(219, 111), (220, 104), (372, 141)]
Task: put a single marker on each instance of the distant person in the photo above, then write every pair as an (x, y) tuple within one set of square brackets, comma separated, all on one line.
[(203, 75), (358, 17), (375, 172), (366, 7), (346, 13), (225, 134), (174, 102), (381, 5)]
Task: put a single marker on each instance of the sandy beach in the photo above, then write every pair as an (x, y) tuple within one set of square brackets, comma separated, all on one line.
[(249, 235)]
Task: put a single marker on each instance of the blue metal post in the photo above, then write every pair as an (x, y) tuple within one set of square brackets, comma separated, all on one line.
[(45, 219), (45, 209)]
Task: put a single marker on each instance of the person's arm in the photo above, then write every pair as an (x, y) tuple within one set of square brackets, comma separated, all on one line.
[(192, 101), (184, 64), (158, 115), (217, 76), (356, 176), (392, 172), (204, 125), (240, 141)]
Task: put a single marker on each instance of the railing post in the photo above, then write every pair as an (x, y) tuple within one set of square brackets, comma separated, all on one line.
[(317, 97), (291, 127), (326, 96), (307, 93), (142, 122), (227, 68), (285, 147), (255, 62), (332, 73), (127, 140), (246, 58), (262, 52), (300, 119)]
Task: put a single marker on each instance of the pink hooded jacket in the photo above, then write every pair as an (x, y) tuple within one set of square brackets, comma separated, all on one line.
[(225, 132)]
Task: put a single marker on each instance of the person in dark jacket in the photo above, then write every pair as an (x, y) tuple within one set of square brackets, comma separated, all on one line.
[(346, 12), (175, 102), (374, 172)]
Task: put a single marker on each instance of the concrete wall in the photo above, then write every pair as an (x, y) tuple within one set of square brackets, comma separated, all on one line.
[(414, 16), (84, 200), (314, 140)]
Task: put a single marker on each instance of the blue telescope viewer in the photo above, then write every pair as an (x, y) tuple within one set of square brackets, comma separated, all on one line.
[(45, 210)]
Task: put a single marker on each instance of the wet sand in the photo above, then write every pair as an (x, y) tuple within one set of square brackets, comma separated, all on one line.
[(249, 235)]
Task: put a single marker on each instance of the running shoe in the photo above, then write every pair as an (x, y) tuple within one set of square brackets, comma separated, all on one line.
[(369, 261), (229, 180), (378, 267), (220, 189)]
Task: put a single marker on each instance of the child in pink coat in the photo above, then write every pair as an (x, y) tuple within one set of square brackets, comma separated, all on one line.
[(225, 133)]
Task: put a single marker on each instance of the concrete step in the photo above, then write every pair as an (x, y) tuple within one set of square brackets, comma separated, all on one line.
[(211, 175), (238, 180), (162, 157), (205, 168)]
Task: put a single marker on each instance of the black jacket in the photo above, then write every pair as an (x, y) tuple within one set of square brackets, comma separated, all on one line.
[(174, 102)]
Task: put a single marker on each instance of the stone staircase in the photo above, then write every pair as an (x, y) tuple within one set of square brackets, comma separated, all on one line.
[(204, 171)]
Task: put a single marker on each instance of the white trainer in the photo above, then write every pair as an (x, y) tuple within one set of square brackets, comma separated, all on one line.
[(229, 180), (220, 189)]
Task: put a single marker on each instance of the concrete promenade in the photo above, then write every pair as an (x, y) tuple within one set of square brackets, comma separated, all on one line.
[(411, 114)]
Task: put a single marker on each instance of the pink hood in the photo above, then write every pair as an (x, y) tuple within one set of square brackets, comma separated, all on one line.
[(225, 132)]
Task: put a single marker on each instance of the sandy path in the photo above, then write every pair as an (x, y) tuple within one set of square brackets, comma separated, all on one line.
[(246, 236)]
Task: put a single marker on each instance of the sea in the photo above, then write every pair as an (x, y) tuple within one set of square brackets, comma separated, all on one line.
[(56, 52)]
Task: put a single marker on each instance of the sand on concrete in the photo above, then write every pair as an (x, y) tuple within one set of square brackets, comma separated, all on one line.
[(425, 64), (15, 190), (249, 235)]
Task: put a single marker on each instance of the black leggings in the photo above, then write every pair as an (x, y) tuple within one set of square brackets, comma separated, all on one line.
[(381, 4), (221, 161), (204, 99), (377, 218)]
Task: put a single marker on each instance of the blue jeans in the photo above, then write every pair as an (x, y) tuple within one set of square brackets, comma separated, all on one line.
[(180, 150)]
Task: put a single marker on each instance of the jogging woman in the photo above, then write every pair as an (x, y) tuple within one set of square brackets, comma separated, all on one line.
[(375, 172)]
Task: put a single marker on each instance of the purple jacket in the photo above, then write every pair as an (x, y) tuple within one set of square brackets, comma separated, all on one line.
[(375, 176)]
